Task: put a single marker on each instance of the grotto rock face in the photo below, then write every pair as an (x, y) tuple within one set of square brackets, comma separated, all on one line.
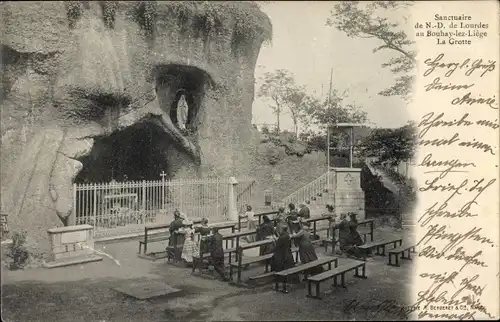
[(76, 72)]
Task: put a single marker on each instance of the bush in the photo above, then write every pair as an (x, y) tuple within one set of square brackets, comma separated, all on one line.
[(18, 252)]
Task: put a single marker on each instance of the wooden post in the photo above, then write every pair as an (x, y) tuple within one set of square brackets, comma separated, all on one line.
[(351, 146)]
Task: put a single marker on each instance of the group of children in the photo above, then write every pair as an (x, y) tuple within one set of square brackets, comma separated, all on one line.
[(286, 229)]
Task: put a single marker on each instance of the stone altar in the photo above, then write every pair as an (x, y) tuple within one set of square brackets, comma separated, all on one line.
[(347, 193), (71, 245)]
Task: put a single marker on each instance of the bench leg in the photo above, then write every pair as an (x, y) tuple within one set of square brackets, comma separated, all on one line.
[(276, 284), (363, 272), (318, 296), (309, 289), (342, 280), (362, 275), (140, 247), (406, 257), (335, 281), (285, 282)]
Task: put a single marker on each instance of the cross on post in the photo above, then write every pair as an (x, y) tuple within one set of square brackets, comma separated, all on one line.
[(163, 175)]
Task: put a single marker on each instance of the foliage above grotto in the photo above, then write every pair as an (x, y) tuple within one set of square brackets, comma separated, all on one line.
[(242, 21)]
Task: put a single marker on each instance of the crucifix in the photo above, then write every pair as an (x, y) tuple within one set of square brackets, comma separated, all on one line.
[(163, 175)]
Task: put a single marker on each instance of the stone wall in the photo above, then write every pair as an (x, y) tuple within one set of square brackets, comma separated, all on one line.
[(76, 71)]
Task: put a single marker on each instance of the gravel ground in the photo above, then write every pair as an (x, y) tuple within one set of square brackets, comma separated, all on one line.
[(84, 293)]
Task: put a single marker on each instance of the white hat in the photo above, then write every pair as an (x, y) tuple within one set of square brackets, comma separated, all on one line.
[(187, 222)]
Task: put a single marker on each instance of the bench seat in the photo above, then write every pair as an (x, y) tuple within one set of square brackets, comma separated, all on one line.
[(330, 242), (303, 268), (153, 239), (268, 274), (400, 250), (226, 251), (252, 259), (380, 245), (339, 270)]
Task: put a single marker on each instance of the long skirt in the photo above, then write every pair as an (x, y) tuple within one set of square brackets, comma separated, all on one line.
[(308, 254), (352, 250), (266, 249), (189, 250), (280, 262), (251, 225)]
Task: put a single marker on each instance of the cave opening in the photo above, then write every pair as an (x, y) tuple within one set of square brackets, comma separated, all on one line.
[(135, 153), (138, 152)]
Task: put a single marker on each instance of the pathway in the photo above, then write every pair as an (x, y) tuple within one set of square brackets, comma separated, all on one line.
[(85, 293)]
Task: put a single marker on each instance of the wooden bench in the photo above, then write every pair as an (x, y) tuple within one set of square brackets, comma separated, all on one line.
[(199, 258), (152, 239), (239, 264), (332, 235), (400, 250), (258, 216), (236, 236), (267, 273), (283, 275), (262, 214), (380, 245), (148, 239), (338, 271)]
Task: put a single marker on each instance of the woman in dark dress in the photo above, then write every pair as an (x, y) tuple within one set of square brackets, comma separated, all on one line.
[(204, 230), (307, 253), (280, 220), (292, 220), (282, 256), (264, 231), (353, 227), (347, 240)]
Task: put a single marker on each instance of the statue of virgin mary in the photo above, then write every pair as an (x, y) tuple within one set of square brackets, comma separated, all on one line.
[(182, 112)]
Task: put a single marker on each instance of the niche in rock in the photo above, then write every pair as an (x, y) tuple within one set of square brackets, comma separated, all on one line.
[(135, 153), (181, 90)]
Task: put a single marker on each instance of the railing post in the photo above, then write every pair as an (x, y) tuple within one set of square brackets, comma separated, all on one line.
[(72, 217), (94, 210), (232, 211), (143, 194)]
